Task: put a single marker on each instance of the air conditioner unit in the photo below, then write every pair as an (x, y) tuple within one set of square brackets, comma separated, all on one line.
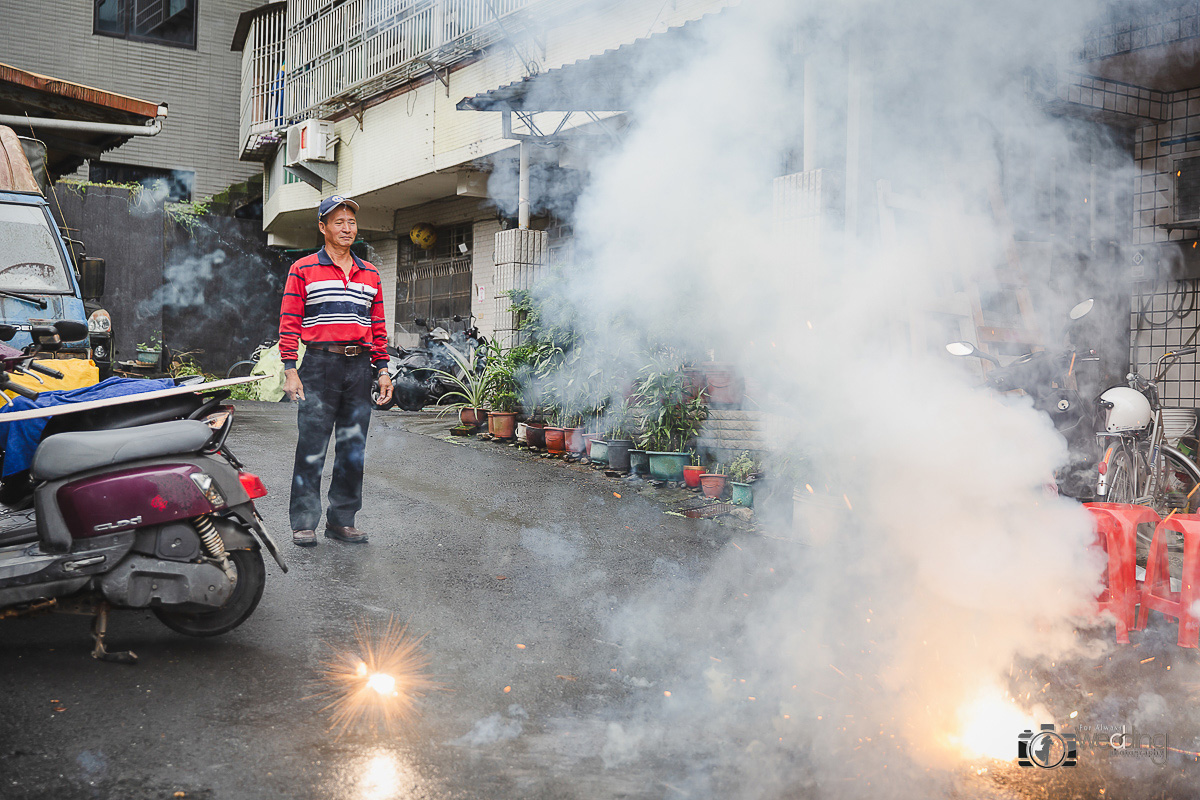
[(311, 140), (308, 152)]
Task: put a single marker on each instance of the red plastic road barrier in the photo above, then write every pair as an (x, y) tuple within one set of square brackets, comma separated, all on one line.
[(1116, 532), (1156, 592)]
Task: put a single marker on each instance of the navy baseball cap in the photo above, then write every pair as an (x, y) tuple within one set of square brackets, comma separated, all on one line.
[(332, 202)]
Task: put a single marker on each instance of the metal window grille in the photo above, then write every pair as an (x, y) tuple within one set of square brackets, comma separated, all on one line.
[(1166, 316), (436, 290), (263, 76)]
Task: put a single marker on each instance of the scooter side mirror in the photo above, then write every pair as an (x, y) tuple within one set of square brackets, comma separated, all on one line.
[(1083, 309), (961, 349), (70, 330), (420, 322)]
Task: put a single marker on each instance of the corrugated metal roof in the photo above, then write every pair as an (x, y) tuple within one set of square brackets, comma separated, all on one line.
[(79, 95), (605, 82)]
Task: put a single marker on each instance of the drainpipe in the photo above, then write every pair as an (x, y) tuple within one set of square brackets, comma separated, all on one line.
[(82, 125), (523, 189)]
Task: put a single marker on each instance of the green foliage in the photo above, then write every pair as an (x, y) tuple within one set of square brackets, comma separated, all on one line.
[(471, 389), (742, 467), (154, 345), (673, 413)]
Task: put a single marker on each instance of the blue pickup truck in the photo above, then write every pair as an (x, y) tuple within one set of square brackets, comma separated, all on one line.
[(43, 274)]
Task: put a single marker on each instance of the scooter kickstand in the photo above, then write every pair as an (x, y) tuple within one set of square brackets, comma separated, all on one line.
[(99, 628)]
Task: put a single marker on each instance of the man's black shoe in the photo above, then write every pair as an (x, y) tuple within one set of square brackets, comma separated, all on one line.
[(345, 533)]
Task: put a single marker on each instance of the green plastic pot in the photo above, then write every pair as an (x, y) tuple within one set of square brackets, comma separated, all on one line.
[(743, 494), (668, 466), (599, 452)]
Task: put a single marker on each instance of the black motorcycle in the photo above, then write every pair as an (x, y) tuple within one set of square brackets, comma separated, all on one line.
[(418, 375)]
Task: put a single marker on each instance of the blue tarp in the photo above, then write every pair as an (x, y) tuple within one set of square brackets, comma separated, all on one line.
[(20, 439)]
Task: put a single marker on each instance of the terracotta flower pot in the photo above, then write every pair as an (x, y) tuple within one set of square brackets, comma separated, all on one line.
[(556, 441), (712, 484), (574, 439), (618, 454), (502, 424), (691, 476), (639, 462), (722, 385), (472, 416), (668, 466), (535, 435)]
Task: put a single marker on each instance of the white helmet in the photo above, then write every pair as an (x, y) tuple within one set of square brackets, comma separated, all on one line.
[(1130, 410)]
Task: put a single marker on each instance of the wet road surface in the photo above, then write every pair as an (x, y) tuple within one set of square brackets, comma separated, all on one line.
[(480, 548)]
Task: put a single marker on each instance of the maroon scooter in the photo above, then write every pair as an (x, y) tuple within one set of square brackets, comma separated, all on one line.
[(159, 516)]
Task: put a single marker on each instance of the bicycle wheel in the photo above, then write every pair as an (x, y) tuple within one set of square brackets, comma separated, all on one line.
[(241, 369), (1122, 479)]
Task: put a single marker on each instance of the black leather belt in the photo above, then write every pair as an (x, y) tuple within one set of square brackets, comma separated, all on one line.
[(347, 350)]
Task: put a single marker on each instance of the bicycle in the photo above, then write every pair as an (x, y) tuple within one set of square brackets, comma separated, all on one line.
[(1143, 462), (242, 369)]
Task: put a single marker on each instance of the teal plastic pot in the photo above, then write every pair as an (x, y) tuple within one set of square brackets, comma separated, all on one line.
[(599, 452), (639, 462), (668, 466), (743, 494)]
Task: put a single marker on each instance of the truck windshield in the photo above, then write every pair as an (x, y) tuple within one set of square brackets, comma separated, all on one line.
[(30, 260)]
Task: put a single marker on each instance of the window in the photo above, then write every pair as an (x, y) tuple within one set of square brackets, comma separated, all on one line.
[(31, 260), (175, 183), (171, 22), (435, 284)]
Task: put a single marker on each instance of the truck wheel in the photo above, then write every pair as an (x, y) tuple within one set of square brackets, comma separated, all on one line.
[(251, 578)]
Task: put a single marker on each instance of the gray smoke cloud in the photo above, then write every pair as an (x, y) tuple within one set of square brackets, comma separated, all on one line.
[(855, 654)]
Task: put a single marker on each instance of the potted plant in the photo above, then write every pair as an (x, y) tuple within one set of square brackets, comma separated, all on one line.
[(150, 352), (621, 426), (713, 483), (739, 474), (672, 419), (471, 389), (501, 391)]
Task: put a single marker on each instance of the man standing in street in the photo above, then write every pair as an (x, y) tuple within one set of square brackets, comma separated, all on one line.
[(333, 301)]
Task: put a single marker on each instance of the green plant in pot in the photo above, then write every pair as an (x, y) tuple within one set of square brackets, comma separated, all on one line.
[(150, 352), (671, 417), (469, 392), (621, 424), (501, 391), (739, 474)]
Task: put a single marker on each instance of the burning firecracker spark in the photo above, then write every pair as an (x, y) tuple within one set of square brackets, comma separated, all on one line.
[(378, 682)]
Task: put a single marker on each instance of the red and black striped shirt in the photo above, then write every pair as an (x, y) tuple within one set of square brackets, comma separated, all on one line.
[(321, 305)]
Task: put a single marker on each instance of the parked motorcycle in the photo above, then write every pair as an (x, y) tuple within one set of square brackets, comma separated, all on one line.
[(1049, 378), (148, 510), (416, 381)]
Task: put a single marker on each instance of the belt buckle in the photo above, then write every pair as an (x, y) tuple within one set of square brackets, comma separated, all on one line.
[(352, 350)]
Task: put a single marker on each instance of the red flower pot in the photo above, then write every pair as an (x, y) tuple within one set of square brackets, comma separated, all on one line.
[(503, 424), (723, 386), (691, 476), (535, 435), (711, 484), (472, 416), (574, 439), (556, 441)]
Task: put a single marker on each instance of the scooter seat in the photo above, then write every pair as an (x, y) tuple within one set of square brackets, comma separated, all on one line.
[(67, 453)]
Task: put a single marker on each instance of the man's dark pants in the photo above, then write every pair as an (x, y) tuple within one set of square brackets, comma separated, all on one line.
[(337, 392)]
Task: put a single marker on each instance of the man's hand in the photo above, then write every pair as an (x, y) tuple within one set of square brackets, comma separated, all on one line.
[(292, 386), (385, 387)]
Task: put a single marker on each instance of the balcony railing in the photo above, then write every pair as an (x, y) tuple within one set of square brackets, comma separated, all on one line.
[(263, 84), (337, 54)]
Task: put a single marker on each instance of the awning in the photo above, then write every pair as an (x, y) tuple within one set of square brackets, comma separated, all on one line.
[(608, 82), (29, 94)]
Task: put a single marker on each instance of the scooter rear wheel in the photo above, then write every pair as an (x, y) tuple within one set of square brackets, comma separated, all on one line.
[(251, 578)]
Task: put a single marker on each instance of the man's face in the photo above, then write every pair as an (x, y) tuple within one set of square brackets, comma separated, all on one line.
[(340, 227)]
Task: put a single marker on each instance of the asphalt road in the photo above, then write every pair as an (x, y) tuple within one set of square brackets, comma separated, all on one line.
[(478, 547)]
